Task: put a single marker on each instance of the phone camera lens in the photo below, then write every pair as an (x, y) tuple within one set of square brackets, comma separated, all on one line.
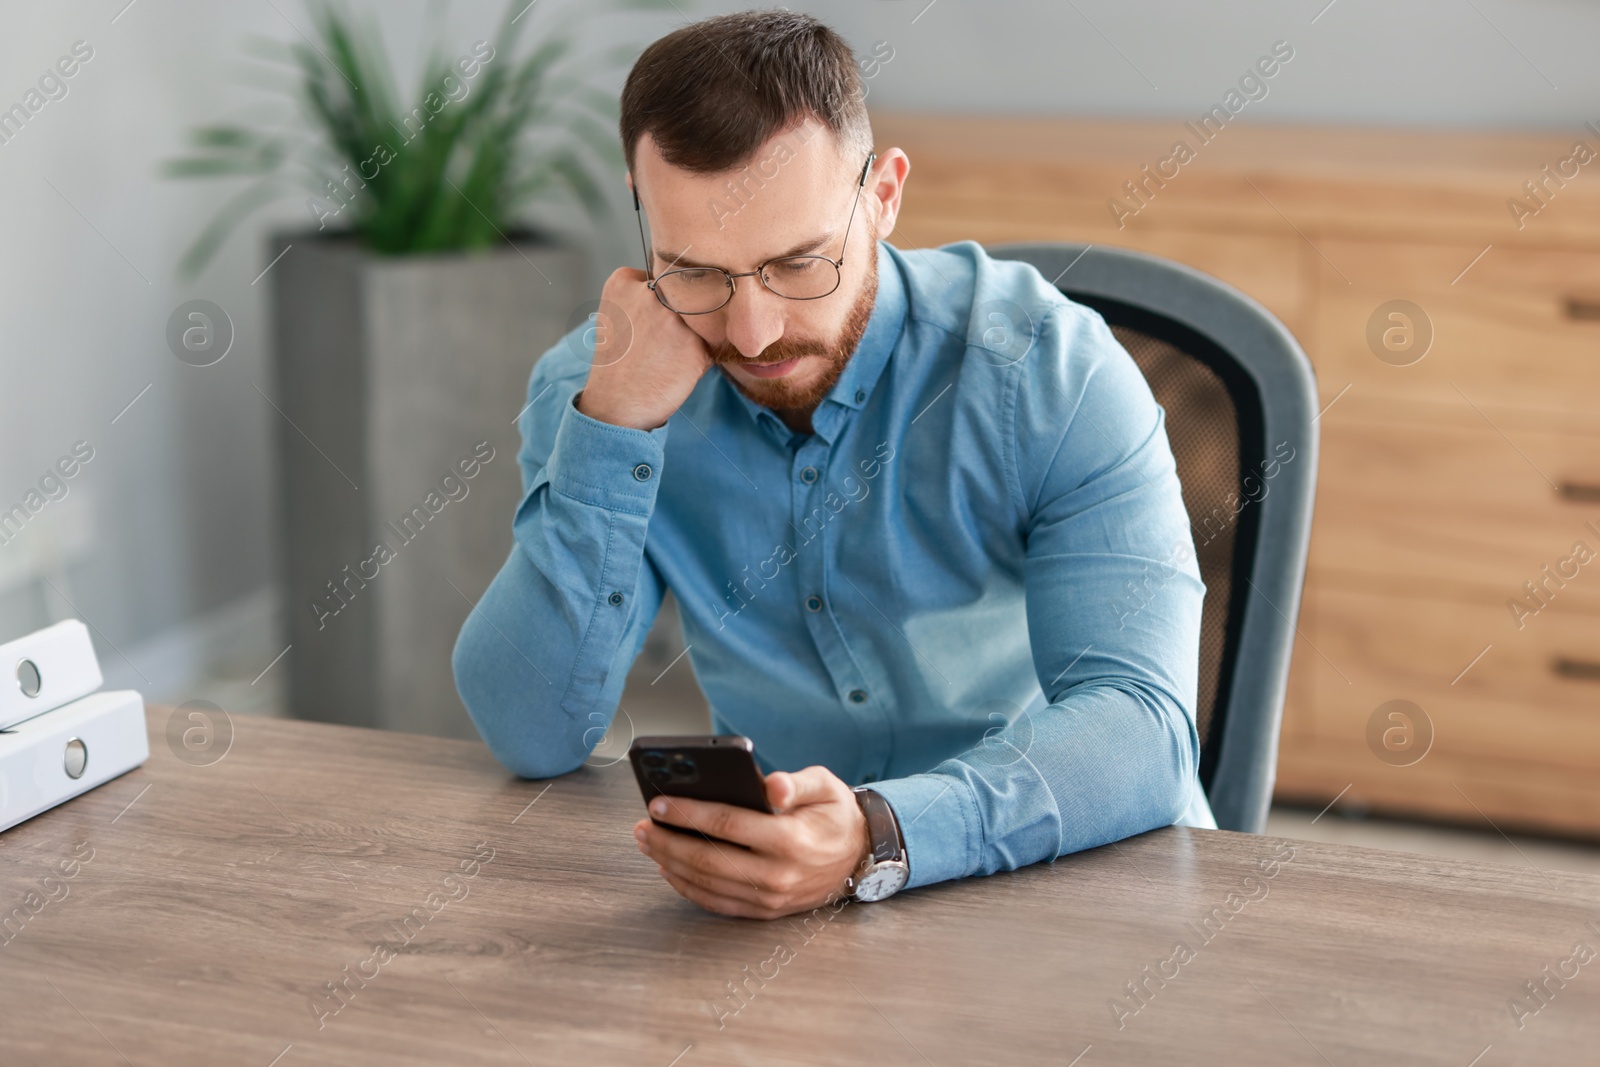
[(657, 774), (683, 768), (654, 759)]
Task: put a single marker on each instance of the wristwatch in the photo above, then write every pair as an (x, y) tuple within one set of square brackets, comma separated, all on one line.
[(886, 869)]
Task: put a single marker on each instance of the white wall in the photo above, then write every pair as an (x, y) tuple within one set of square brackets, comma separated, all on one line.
[(173, 519), (1457, 63)]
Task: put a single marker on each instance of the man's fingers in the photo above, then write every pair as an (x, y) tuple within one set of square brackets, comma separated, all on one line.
[(753, 829), (789, 790), (713, 901), (732, 888), (725, 861)]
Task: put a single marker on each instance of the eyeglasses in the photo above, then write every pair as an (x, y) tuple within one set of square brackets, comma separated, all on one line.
[(702, 290)]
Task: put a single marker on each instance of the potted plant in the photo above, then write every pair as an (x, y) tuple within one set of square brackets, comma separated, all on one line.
[(407, 315)]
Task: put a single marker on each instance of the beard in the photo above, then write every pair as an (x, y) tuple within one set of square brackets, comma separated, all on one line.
[(783, 395)]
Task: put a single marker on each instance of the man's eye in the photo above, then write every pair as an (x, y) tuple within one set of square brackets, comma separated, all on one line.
[(796, 266), (689, 276)]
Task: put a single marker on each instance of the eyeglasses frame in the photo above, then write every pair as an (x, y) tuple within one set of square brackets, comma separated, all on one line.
[(838, 264)]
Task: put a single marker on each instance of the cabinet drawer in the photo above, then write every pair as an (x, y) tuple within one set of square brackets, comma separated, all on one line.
[(1520, 328), (1446, 503), (1269, 268), (1532, 696)]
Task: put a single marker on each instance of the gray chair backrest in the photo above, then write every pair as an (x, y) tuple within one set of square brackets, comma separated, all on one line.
[(1241, 405)]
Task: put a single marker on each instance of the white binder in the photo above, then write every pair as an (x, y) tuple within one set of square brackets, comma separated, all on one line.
[(58, 737), (45, 670), (51, 758)]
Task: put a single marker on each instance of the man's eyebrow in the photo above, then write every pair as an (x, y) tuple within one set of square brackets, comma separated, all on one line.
[(804, 247)]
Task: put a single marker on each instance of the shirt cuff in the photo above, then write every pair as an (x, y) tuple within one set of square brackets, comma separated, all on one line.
[(939, 822), (612, 467)]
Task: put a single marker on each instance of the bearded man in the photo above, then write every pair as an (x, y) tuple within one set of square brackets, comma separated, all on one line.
[(898, 496)]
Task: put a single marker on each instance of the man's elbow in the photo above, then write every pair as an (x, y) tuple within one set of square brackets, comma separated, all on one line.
[(1173, 789), (1186, 763), (529, 761), (1176, 795), (1162, 797), (527, 742)]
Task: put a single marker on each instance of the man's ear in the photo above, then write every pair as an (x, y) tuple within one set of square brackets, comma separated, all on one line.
[(887, 183)]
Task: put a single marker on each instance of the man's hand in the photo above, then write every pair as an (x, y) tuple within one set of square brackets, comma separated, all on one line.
[(646, 360), (765, 866)]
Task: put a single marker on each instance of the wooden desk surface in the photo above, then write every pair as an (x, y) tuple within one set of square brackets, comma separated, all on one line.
[(209, 905)]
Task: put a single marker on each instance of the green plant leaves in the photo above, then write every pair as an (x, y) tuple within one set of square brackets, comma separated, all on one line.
[(457, 168)]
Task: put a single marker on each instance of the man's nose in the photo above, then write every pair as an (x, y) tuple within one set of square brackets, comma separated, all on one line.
[(754, 317)]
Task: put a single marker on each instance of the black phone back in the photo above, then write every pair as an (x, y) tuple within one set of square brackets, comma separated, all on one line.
[(700, 767)]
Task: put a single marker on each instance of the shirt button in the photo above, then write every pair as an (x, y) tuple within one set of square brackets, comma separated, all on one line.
[(642, 472), (615, 599), (861, 396), (808, 475), (858, 696), (813, 603)]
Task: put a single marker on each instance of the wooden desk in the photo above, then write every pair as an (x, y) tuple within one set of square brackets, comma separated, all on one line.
[(210, 904)]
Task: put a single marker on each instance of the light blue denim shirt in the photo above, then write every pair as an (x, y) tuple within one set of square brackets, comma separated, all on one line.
[(943, 591)]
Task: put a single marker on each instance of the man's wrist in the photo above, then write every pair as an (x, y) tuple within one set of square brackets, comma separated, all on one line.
[(937, 815), (602, 414), (585, 404), (885, 867)]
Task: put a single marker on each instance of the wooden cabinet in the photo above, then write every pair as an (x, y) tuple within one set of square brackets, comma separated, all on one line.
[(1456, 504), (1466, 664), (1520, 327), (1455, 554)]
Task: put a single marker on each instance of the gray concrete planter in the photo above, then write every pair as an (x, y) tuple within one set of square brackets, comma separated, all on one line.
[(397, 379)]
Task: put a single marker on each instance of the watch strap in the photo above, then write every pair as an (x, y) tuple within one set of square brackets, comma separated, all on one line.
[(883, 829)]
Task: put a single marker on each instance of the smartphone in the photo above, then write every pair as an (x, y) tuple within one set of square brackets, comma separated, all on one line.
[(699, 767)]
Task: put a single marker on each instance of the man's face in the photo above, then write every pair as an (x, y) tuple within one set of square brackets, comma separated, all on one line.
[(792, 197)]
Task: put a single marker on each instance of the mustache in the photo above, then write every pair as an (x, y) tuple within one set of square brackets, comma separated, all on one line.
[(784, 348)]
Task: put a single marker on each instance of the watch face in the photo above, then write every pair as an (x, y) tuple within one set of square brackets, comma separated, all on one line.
[(881, 882)]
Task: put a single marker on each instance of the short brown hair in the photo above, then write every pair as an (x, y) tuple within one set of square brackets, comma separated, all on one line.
[(712, 92)]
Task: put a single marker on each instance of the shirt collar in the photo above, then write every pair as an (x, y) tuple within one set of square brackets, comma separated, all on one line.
[(861, 374)]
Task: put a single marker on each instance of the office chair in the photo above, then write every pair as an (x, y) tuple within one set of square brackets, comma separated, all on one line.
[(1239, 393)]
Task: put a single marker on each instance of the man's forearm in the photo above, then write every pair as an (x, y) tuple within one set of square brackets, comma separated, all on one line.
[(1101, 765), (541, 660)]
